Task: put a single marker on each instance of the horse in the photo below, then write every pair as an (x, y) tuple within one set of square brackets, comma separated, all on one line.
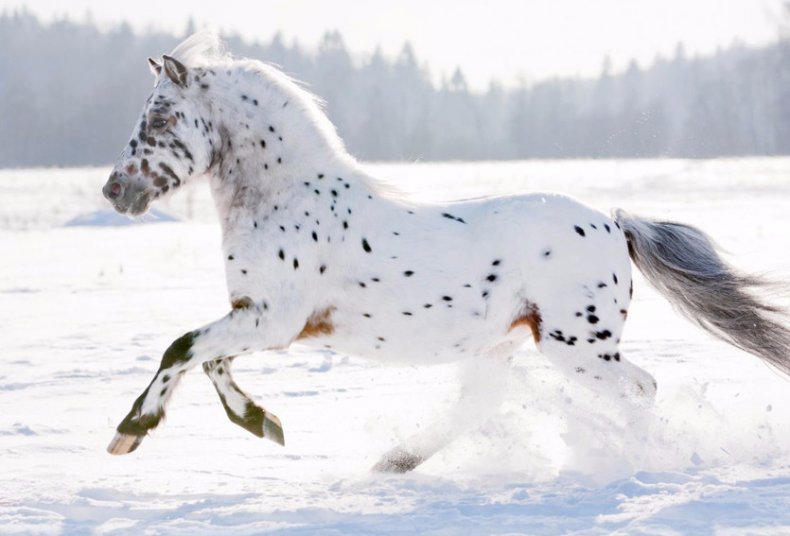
[(318, 252)]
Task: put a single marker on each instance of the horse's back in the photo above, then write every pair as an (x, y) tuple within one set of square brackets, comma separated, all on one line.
[(463, 274)]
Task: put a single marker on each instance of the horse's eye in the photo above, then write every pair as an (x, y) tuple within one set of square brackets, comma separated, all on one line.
[(158, 123)]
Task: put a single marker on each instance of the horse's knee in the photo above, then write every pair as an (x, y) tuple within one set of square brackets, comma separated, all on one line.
[(180, 351)]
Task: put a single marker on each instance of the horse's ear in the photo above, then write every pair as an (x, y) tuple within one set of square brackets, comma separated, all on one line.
[(155, 66), (175, 70)]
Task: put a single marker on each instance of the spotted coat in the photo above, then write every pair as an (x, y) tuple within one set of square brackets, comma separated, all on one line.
[(317, 252)]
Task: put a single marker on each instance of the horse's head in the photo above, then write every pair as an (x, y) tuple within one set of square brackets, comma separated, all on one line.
[(173, 141)]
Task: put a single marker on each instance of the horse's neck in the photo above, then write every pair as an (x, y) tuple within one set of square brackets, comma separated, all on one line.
[(269, 148), (247, 194)]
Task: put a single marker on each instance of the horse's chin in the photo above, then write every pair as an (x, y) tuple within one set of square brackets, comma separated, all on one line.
[(137, 207)]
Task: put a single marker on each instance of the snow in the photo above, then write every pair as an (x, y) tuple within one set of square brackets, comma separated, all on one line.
[(85, 312)]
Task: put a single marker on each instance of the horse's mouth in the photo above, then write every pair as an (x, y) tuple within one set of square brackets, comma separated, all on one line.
[(136, 206)]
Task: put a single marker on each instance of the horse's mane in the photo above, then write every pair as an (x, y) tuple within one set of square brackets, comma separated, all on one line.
[(205, 49), (201, 48)]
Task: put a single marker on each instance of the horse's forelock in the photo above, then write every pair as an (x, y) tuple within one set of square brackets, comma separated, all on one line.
[(199, 48)]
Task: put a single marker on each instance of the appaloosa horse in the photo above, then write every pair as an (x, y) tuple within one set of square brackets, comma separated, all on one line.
[(318, 252)]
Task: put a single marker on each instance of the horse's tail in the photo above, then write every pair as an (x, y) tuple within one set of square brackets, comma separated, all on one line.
[(683, 264)]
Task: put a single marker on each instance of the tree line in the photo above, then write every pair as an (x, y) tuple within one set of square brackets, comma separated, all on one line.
[(70, 93)]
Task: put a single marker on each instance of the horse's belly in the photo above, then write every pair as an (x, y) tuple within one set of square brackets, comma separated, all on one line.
[(416, 343)]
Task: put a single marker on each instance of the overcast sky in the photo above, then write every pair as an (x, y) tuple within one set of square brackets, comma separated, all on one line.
[(505, 40)]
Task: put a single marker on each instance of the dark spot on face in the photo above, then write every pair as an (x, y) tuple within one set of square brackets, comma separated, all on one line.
[(315, 236), (614, 278), (244, 272), (271, 128), (362, 284), (296, 263), (230, 257), (496, 262), (591, 308), (592, 319), (281, 254), (491, 278), (606, 226), (322, 268), (447, 298), (579, 230), (547, 253), (428, 305), (366, 246), (406, 313), (366, 315), (408, 273), (263, 144)]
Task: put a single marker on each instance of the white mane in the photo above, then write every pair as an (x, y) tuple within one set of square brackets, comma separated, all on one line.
[(205, 49), (200, 48)]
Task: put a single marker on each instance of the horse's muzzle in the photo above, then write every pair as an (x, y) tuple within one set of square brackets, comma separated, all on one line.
[(126, 195)]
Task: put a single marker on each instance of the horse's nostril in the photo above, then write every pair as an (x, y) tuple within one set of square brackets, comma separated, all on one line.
[(114, 192)]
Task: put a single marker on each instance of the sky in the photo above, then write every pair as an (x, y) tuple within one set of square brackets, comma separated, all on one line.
[(507, 41)]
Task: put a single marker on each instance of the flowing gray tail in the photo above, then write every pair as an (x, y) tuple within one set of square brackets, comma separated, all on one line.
[(683, 264)]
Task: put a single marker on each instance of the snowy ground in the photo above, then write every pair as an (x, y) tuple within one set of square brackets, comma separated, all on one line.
[(87, 306)]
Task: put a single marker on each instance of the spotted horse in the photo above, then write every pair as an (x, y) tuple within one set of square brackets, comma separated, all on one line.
[(317, 251)]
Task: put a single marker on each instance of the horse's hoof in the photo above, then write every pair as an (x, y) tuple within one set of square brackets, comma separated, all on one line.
[(124, 443), (273, 428), (398, 461)]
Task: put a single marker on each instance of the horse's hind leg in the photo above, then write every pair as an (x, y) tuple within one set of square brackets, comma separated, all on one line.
[(600, 366), (240, 408), (481, 394)]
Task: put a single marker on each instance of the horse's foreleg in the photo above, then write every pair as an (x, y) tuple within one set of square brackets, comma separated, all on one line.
[(240, 408), (241, 331), (483, 383)]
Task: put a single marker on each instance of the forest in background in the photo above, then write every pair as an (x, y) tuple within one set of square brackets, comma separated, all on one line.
[(70, 95)]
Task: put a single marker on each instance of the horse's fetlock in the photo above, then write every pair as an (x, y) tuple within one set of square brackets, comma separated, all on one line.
[(139, 425)]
